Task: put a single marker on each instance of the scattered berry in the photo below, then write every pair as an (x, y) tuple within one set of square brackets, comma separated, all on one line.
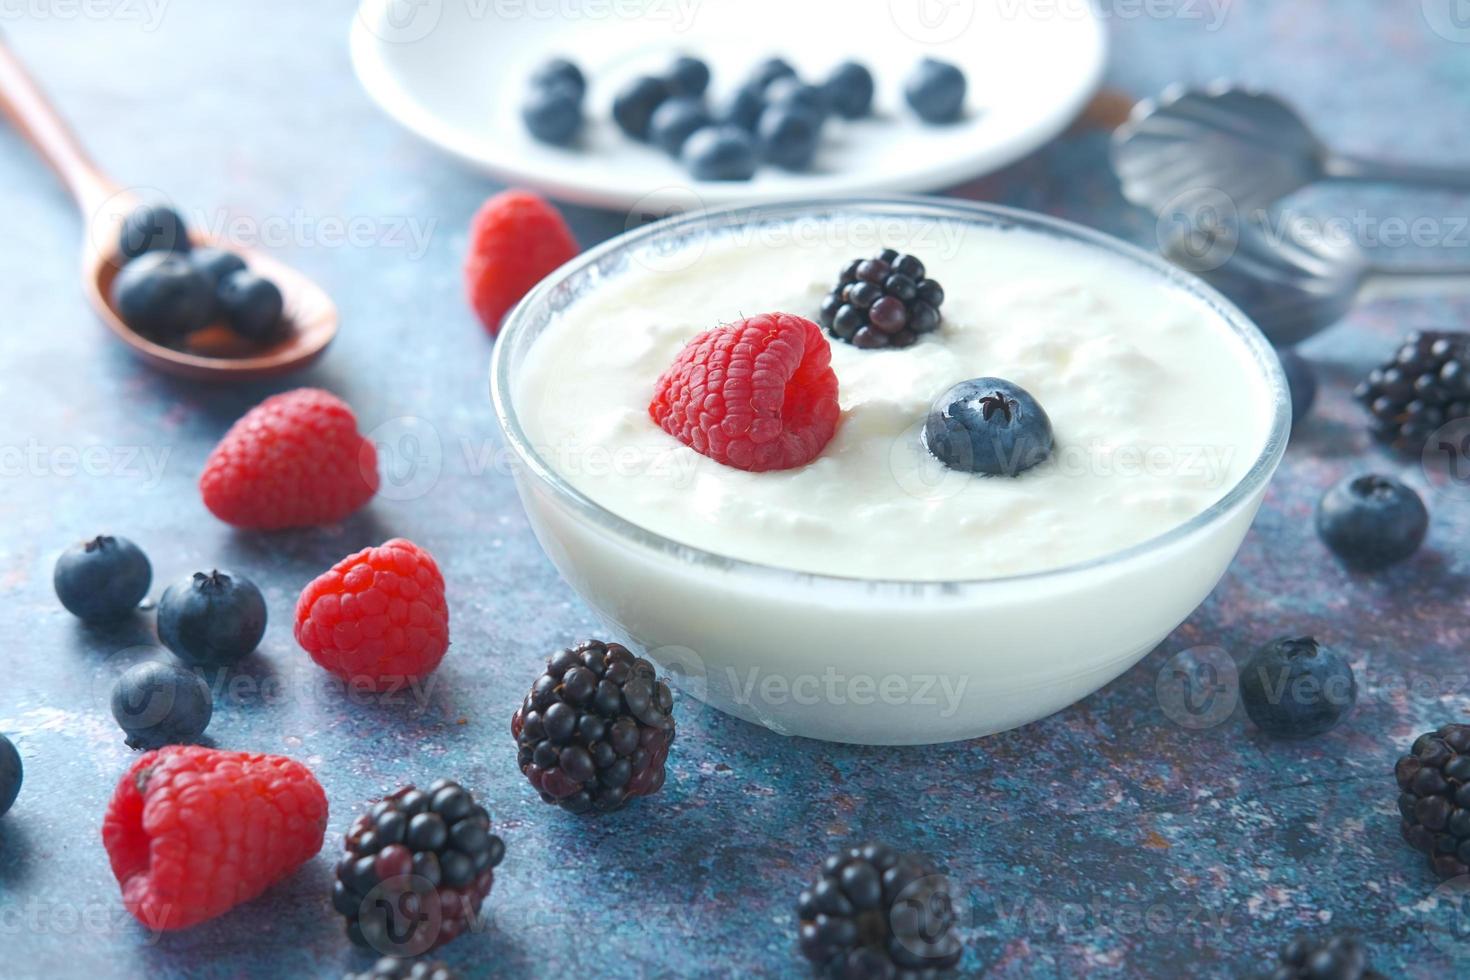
[(788, 135), (633, 106), (294, 460), (935, 90), (1371, 521), (595, 730), (1293, 687), (849, 90), (560, 72), (215, 263), (152, 227), (553, 113), (768, 71), (378, 617), (192, 832), (160, 704), (744, 109), (675, 120), (876, 913), (1337, 958), (516, 238), (1425, 386), (720, 153), (885, 301), (102, 579), (1434, 798), (162, 296), (389, 968), (416, 870), (796, 94), (12, 774), (758, 394), (687, 76), (988, 425), (253, 306), (1301, 379), (211, 619)]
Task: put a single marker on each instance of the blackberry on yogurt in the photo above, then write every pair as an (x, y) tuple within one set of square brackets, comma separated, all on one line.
[(885, 301)]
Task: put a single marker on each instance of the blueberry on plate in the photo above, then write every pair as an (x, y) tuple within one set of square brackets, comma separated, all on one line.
[(720, 153), (162, 296), (553, 113), (211, 619), (849, 90), (252, 305), (102, 579), (688, 76), (767, 71), (1371, 521), (935, 90), (152, 228), (215, 263), (795, 93), (675, 120), (560, 72), (1294, 687), (633, 107), (990, 426), (788, 136), (157, 704), (744, 108), (11, 774), (1301, 380)]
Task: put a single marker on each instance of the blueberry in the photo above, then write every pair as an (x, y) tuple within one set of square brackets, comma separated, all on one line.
[(252, 305), (849, 90), (215, 263), (560, 72), (795, 93), (744, 108), (767, 71), (553, 113), (211, 619), (162, 296), (159, 704), (1293, 687), (720, 153), (102, 579), (11, 775), (988, 425), (1301, 379), (634, 105), (936, 91), (152, 228), (675, 120), (688, 76), (788, 136), (1372, 521)]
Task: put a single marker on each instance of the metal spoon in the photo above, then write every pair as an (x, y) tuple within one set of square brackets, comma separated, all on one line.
[(1251, 147), (104, 204)]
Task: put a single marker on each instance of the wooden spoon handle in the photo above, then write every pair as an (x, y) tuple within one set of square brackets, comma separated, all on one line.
[(24, 104)]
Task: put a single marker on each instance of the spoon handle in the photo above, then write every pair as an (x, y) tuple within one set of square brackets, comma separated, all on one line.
[(1362, 170), (33, 116)]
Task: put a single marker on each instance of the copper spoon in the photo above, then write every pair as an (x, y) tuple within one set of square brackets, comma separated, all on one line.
[(215, 354)]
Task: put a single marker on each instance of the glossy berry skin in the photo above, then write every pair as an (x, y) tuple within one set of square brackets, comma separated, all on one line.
[(162, 296), (393, 968), (192, 832), (12, 774), (294, 460), (553, 114), (1434, 798), (769, 70), (744, 108), (990, 426), (1339, 957), (211, 619), (560, 72), (1301, 379), (157, 704), (516, 239), (253, 306), (849, 90), (1293, 687), (687, 76), (788, 136), (1426, 385), (149, 228), (102, 579), (885, 301), (796, 94), (720, 153), (935, 90), (1372, 521), (675, 120), (215, 263), (633, 106)]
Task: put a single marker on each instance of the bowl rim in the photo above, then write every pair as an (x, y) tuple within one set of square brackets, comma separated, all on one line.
[(1262, 353)]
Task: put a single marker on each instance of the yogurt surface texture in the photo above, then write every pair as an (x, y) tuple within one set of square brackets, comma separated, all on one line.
[(1158, 408)]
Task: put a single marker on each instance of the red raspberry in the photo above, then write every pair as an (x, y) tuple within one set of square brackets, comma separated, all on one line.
[(193, 832), (757, 395), (516, 238), (294, 460), (378, 618)]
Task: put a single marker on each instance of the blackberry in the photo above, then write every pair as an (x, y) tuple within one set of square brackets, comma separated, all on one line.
[(1434, 798), (418, 866), (389, 968), (1426, 385), (885, 301), (876, 913), (1335, 958), (595, 730)]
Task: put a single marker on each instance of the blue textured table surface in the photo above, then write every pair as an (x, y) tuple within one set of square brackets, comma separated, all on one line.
[(1105, 838)]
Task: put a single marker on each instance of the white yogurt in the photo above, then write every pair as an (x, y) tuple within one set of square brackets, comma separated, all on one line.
[(1157, 408)]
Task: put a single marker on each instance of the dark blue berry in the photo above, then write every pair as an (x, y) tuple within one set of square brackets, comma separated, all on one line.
[(849, 90), (744, 108), (688, 76), (553, 113), (1301, 379), (767, 71), (720, 153), (102, 579), (936, 91), (560, 72), (252, 305), (1294, 687), (1372, 521), (788, 135), (633, 107), (162, 296), (675, 120), (211, 619), (159, 703), (215, 263), (12, 773), (794, 93), (988, 425), (152, 228)]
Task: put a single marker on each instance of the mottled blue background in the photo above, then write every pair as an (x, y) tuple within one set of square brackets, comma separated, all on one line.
[(1106, 838)]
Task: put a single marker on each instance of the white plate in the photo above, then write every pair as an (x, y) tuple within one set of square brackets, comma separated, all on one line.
[(454, 72)]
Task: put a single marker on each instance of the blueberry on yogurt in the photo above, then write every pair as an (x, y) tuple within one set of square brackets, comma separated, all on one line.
[(990, 426)]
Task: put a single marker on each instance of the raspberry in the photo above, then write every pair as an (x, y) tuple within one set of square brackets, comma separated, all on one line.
[(294, 460), (757, 395), (516, 238), (376, 618), (193, 832)]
